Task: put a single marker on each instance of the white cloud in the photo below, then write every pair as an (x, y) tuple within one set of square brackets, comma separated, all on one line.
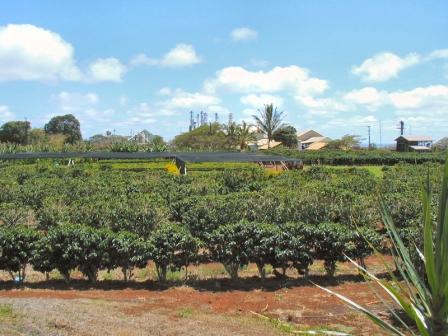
[(258, 101), (243, 34), (321, 106), (31, 53), (384, 66), (165, 91), (139, 115), (180, 101), (438, 54), (259, 63), (5, 113), (70, 102), (369, 97), (180, 56), (291, 78), (434, 96), (106, 69), (143, 59)]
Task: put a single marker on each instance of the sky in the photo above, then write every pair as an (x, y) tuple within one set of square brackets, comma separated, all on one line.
[(123, 66)]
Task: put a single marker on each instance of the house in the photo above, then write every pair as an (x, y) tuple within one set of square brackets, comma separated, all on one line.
[(263, 144), (312, 140), (413, 143)]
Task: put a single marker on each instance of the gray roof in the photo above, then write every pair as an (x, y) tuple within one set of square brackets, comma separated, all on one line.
[(415, 138)]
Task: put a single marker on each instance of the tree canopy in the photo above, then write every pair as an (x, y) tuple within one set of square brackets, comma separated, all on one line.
[(67, 125), (287, 136), (269, 121), (15, 131)]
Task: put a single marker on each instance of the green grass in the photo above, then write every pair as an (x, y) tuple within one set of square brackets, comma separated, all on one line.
[(377, 171), (185, 312), (6, 311)]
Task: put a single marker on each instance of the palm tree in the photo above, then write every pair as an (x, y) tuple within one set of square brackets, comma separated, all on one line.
[(269, 121), (245, 135)]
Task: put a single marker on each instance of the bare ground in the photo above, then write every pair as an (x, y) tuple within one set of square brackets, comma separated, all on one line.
[(199, 307)]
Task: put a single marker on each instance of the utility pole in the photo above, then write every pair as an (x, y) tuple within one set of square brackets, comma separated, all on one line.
[(401, 127), (26, 131), (368, 129), (216, 117), (381, 136)]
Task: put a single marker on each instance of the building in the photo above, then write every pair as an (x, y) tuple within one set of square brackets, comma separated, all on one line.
[(413, 143), (312, 140)]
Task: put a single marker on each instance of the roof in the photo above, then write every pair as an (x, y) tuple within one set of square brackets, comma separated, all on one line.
[(317, 145), (316, 139), (415, 138), (183, 156), (272, 144), (303, 136), (420, 148)]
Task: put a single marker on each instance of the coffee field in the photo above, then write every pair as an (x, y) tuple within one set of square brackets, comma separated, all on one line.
[(97, 216)]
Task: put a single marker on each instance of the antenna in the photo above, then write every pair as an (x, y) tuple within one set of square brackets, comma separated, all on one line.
[(230, 118), (191, 127), (216, 117)]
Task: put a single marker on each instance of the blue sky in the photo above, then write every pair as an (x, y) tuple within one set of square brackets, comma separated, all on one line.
[(334, 66)]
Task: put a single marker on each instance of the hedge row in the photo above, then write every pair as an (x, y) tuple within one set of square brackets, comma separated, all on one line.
[(68, 247)]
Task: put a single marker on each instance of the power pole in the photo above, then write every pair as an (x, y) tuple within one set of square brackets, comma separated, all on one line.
[(368, 129), (381, 136)]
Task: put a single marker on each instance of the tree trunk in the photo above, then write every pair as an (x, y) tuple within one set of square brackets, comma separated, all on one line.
[(161, 272), (66, 275), (232, 269), (262, 271)]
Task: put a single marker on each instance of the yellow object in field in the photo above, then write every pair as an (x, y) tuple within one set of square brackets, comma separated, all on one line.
[(172, 169)]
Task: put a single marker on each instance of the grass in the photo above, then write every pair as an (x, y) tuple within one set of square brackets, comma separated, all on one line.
[(185, 312), (377, 171), (6, 311)]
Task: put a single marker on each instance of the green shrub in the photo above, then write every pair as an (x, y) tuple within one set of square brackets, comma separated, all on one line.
[(17, 247), (172, 246)]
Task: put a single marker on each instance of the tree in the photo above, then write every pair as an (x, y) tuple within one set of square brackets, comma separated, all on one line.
[(67, 125), (269, 121), (442, 144), (346, 142), (15, 131), (287, 136), (244, 135), (209, 137)]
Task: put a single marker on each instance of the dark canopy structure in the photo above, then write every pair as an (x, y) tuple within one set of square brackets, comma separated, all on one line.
[(182, 158)]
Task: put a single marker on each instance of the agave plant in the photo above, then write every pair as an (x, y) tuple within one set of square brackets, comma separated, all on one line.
[(423, 298)]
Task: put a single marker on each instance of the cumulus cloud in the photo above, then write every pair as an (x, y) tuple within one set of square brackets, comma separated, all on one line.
[(434, 96), (320, 106), (180, 101), (32, 53), (258, 101), (429, 97), (140, 115), (5, 114), (180, 56), (384, 66), (291, 78), (106, 69), (69, 102), (243, 34)]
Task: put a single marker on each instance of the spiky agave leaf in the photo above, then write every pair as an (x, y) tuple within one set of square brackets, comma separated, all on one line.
[(426, 305)]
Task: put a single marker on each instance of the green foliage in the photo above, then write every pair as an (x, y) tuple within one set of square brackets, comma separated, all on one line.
[(269, 121), (15, 132), (66, 125), (287, 135), (17, 245), (227, 245), (172, 246), (423, 298), (67, 247), (127, 251), (207, 137)]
